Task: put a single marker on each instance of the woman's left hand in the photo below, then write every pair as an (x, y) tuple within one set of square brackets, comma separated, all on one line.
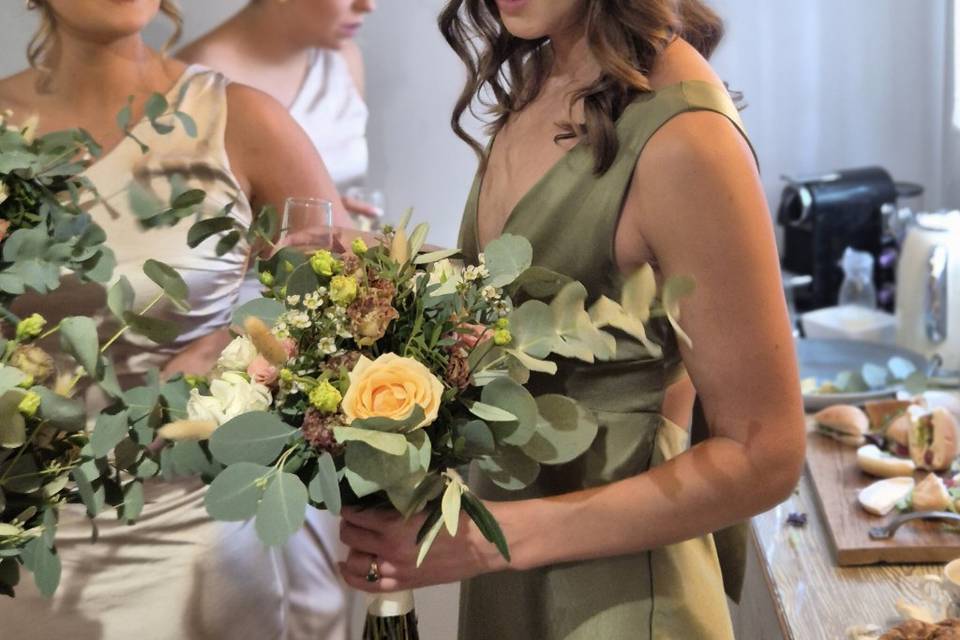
[(383, 536)]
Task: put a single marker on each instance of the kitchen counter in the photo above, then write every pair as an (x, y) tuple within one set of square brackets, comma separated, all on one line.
[(812, 598)]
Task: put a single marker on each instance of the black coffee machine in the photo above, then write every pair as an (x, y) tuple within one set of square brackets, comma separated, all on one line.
[(823, 215)]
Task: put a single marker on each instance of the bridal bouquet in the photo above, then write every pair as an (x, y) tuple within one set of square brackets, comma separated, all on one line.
[(47, 457), (369, 378)]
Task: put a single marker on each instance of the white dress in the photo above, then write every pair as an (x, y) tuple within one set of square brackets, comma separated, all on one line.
[(175, 574)]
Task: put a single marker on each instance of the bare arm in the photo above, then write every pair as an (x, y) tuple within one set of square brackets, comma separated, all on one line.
[(703, 214), (272, 156)]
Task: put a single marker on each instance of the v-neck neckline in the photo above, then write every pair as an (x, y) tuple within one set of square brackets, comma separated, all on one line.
[(527, 194), (176, 87)]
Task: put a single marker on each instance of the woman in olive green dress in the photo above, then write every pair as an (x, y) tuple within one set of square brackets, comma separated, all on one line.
[(614, 145)]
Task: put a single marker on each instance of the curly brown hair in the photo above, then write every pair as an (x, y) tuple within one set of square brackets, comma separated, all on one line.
[(624, 36)]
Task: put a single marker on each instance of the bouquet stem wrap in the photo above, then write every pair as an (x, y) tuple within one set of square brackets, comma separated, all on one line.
[(391, 616)]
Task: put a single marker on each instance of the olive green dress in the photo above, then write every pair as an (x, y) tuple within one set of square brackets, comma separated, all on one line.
[(676, 592)]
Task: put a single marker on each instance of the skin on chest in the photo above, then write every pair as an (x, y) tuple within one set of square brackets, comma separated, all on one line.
[(523, 152)]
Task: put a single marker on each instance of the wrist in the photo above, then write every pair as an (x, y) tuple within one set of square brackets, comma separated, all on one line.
[(516, 521)]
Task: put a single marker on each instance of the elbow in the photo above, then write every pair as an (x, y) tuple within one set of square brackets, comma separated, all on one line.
[(782, 468)]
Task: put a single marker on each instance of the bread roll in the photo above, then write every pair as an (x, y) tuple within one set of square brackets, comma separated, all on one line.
[(882, 412), (845, 423)]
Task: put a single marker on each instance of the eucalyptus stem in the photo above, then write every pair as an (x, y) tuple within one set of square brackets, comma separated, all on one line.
[(21, 451), (126, 325)]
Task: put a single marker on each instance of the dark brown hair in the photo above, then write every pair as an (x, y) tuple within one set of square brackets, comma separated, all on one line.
[(625, 37)]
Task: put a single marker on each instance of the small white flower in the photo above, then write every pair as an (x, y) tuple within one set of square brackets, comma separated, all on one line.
[(312, 301), (490, 293), (293, 300), (238, 355), (231, 395), (298, 319), (327, 346)]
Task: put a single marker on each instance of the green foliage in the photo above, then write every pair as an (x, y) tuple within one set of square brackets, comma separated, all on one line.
[(256, 437)]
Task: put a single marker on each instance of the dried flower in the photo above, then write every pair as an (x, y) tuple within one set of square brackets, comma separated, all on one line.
[(33, 361), (187, 430), (265, 342), (347, 360), (457, 374), (372, 312), (317, 429)]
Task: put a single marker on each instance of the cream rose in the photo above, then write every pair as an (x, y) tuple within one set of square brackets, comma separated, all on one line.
[(389, 387), (238, 355), (230, 396)]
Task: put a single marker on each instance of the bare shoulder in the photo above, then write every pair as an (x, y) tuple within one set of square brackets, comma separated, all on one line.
[(18, 92), (681, 62), (354, 58)]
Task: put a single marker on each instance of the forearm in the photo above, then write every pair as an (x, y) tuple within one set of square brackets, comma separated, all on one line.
[(200, 356), (704, 489)]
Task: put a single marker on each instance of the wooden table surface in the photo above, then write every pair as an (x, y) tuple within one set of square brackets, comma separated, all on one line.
[(815, 599)]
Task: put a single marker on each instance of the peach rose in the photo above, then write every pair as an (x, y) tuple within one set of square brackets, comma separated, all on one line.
[(389, 387)]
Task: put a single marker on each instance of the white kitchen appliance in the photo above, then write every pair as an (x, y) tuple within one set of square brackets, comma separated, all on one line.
[(928, 288)]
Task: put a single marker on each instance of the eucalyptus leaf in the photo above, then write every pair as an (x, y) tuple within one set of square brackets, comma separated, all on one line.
[(428, 541), (369, 470), (325, 486), (282, 509), (10, 377), (490, 413), (155, 106), (263, 308), (435, 256), (44, 563), (133, 501), (187, 122), (565, 430), (540, 282), (534, 329), (92, 493), (187, 199), (506, 258), (509, 396), (157, 330), (387, 425), (477, 437), (78, 337), (390, 443), (235, 493), (227, 243), (120, 297), (208, 228), (487, 524), (510, 468), (169, 281), (109, 430), (256, 437), (302, 281), (13, 426)]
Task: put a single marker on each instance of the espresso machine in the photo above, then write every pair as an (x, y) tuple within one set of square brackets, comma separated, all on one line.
[(824, 214)]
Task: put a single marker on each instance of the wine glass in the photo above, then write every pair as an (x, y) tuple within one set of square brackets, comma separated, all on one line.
[(307, 222)]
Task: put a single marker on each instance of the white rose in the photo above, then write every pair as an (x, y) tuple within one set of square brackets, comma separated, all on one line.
[(238, 355), (230, 396)]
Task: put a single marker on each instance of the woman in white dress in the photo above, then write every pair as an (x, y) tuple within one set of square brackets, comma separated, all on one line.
[(301, 52), (175, 574)]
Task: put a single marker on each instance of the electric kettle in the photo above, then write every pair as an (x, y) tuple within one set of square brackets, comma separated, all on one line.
[(928, 287)]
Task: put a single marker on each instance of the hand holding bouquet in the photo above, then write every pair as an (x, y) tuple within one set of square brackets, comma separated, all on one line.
[(369, 378)]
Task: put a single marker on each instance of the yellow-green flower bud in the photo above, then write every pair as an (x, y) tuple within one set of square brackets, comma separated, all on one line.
[(29, 404), (288, 266), (30, 327), (325, 397), (286, 376), (343, 290), (193, 380), (359, 247), (266, 278), (27, 381), (502, 337), (503, 323), (324, 264)]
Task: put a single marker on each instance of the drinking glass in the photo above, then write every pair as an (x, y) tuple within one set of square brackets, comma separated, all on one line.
[(307, 222)]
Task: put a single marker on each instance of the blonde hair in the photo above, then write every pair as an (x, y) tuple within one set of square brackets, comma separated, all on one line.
[(44, 42)]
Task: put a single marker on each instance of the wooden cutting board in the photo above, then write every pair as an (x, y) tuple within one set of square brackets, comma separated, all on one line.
[(836, 481)]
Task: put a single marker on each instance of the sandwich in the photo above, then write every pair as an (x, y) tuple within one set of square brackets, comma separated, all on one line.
[(873, 460), (931, 494), (883, 412), (933, 440), (845, 423)]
